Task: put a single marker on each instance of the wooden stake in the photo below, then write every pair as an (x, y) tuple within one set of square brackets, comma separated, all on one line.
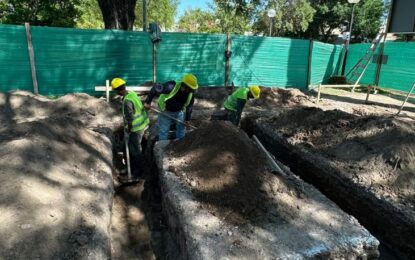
[(32, 59), (406, 99), (107, 90), (318, 93)]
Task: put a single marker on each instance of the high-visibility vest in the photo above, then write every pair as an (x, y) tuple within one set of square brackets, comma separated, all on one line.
[(241, 93), (164, 97), (140, 117)]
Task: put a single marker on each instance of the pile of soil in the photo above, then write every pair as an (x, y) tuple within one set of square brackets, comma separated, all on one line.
[(376, 152), (226, 172), (22, 106), (277, 97), (56, 187)]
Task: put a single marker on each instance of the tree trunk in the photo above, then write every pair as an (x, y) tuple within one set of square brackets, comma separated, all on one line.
[(118, 14)]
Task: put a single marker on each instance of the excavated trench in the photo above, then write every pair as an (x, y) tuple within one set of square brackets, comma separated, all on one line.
[(138, 229), (391, 226), (209, 201)]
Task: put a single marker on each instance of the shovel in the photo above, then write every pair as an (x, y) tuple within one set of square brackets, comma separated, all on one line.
[(127, 156)]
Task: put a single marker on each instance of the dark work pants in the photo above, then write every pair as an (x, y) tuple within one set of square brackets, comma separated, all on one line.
[(136, 155), (232, 116)]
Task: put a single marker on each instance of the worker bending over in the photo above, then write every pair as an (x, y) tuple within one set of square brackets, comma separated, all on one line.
[(136, 121), (175, 101), (235, 102)]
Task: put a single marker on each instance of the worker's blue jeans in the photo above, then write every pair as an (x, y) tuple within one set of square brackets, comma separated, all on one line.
[(164, 124)]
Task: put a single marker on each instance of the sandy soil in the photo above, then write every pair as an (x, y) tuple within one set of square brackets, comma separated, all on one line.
[(375, 151)]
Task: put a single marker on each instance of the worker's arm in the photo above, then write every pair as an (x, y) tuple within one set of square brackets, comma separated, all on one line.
[(189, 110), (158, 89), (128, 114), (240, 104)]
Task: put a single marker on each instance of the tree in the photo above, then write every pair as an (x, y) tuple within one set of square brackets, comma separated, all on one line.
[(91, 16), (118, 14), (368, 20), (333, 14), (160, 11), (292, 18), (197, 20), (60, 13)]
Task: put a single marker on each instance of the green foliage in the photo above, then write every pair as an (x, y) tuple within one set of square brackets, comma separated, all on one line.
[(333, 14), (367, 20), (60, 13), (222, 18), (91, 16), (197, 20), (160, 11), (291, 19)]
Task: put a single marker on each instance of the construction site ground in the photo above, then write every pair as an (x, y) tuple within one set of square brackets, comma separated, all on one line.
[(59, 195)]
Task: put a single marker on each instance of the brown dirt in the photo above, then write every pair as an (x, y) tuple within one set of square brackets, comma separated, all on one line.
[(377, 152), (277, 97), (225, 171)]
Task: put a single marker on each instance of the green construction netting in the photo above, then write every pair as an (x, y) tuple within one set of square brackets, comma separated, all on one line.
[(356, 51), (200, 54), (269, 61), (325, 62), (14, 59), (71, 60), (399, 71)]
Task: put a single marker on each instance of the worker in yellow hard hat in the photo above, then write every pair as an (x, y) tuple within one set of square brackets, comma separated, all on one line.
[(136, 121), (235, 102), (175, 101)]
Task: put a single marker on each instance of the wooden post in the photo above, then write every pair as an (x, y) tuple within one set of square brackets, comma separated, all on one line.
[(227, 58), (310, 56), (406, 99), (32, 58), (107, 90), (318, 93), (154, 62), (368, 93)]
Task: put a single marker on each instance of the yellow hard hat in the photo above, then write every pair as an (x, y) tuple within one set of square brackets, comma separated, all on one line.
[(255, 91), (117, 82), (190, 80)]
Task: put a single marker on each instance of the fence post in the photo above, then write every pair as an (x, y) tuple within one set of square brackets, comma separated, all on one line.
[(310, 57), (32, 58), (227, 58), (154, 62)]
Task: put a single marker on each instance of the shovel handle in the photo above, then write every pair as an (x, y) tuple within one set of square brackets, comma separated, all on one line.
[(175, 119)]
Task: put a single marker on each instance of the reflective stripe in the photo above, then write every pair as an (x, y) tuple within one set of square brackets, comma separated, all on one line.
[(140, 118), (241, 93)]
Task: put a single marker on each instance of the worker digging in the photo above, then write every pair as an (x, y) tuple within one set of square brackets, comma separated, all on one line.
[(175, 102), (136, 122)]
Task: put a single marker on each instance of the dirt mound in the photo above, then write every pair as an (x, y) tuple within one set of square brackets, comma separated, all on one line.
[(21, 106), (271, 97), (55, 185), (224, 168), (377, 152)]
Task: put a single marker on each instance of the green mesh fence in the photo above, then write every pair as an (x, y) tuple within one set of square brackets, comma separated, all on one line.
[(200, 54), (71, 60), (269, 61), (325, 62), (356, 51), (399, 71), (14, 59)]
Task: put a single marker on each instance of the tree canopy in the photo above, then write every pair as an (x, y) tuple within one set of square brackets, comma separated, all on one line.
[(60, 13), (91, 16), (160, 11)]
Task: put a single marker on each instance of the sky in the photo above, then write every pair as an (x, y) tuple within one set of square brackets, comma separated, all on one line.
[(186, 4)]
